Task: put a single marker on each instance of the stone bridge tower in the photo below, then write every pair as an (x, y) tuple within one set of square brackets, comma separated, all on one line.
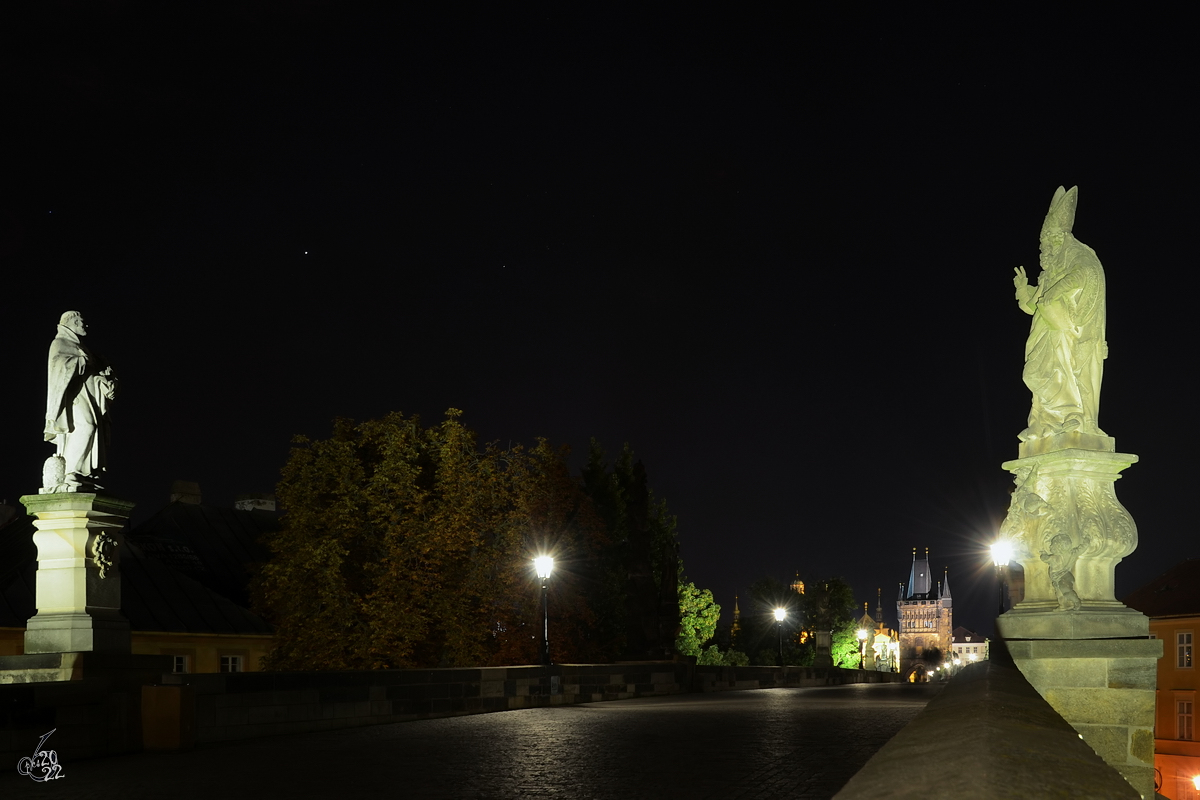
[(925, 614)]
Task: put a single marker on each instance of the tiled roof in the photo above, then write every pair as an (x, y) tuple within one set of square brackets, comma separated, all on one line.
[(1175, 593), (961, 634), (212, 545)]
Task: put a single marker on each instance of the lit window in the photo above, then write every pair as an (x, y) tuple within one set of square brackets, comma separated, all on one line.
[(231, 663), (1183, 642), (1183, 711)]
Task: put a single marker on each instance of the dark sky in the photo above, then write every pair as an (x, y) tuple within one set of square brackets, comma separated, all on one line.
[(774, 254)]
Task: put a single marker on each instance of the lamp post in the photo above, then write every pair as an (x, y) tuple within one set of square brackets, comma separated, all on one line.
[(1001, 555), (779, 615), (862, 648), (543, 565)]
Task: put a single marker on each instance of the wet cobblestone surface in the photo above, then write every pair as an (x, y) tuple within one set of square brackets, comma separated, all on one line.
[(748, 745)]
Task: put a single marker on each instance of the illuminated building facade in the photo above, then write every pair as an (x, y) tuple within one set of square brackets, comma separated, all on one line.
[(969, 646), (1172, 602), (925, 613)]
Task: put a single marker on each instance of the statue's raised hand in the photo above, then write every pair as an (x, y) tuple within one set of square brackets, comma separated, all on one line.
[(1024, 290)]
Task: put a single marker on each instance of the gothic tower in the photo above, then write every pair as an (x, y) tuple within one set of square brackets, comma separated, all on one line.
[(924, 609)]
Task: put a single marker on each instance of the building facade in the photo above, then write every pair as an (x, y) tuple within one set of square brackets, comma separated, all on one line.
[(969, 646), (925, 612), (882, 645), (1172, 602)]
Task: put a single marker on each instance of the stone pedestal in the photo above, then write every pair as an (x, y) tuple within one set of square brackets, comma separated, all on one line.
[(1086, 653), (1104, 687), (824, 649), (79, 540)]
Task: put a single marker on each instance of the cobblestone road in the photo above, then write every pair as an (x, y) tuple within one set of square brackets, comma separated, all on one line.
[(748, 745)]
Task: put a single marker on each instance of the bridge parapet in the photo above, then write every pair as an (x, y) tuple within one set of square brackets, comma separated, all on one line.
[(1002, 738)]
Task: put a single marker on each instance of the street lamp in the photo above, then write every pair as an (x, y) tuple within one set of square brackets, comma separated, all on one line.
[(780, 613), (543, 565), (862, 648), (1001, 555)]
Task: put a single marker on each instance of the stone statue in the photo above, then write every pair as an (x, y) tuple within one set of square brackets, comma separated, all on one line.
[(1061, 561), (1065, 352), (80, 387)]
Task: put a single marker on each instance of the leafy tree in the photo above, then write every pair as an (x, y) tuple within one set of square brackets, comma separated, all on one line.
[(831, 600), (403, 546), (712, 655), (641, 566), (845, 647), (554, 505), (760, 633), (698, 616)]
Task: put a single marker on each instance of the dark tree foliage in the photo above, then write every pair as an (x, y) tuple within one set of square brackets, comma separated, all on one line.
[(406, 546), (933, 657), (403, 546), (828, 601), (642, 565)]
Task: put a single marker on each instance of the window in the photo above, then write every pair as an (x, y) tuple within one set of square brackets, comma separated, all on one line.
[(1183, 719), (179, 664), (231, 663), (1183, 647)]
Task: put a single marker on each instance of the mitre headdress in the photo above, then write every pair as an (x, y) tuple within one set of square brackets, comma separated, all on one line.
[(1061, 216)]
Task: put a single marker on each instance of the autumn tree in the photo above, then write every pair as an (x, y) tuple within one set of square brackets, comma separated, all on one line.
[(562, 522), (406, 546)]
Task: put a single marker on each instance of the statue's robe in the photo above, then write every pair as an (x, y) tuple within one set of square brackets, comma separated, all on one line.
[(77, 397), (1064, 355)]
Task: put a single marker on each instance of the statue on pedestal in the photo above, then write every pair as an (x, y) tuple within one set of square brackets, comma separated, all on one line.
[(1067, 528), (1065, 352), (80, 387)]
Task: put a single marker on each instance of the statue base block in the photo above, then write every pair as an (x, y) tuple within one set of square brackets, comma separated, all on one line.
[(1098, 670), (824, 648), (72, 633), (79, 542), (1093, 621)]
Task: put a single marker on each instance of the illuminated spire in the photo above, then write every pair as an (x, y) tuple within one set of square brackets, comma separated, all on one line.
[(920, 583)]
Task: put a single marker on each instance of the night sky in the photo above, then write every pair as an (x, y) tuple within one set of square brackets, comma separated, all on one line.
[(773, 254)]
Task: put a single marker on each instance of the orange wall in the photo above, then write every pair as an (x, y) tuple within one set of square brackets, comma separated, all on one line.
[(1177, 761)]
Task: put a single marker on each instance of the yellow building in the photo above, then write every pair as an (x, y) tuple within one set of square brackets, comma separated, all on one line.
[(882, 645), (1172, 601)]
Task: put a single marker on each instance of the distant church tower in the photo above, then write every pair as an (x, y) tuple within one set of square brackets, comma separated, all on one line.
[(926, 617)]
